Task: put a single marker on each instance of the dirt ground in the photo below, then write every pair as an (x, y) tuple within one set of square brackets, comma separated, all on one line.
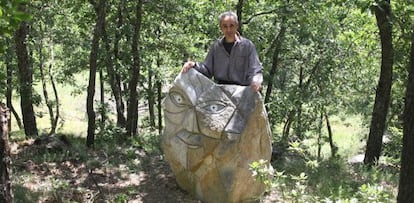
[(147, 178)]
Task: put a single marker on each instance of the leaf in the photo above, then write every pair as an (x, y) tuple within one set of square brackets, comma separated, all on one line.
[(21, 16)]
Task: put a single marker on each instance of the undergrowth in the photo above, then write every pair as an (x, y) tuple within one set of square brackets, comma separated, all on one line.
[(296, 175), (299, 177), (45, 174)]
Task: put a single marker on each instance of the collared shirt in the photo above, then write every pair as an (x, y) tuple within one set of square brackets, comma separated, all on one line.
[(242, 66)]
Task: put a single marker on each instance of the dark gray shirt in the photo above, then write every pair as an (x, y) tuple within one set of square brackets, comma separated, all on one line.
[(241, 66)]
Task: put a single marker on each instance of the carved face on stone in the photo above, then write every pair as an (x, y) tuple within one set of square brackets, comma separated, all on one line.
[(200, 113), (212, 133)]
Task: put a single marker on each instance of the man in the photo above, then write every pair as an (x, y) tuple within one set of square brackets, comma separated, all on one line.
[(231, 59)]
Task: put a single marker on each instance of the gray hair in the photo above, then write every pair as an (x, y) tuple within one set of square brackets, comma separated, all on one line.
[(230, 14)]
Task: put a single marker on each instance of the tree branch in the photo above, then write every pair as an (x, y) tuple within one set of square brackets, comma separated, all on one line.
[(258, 14)]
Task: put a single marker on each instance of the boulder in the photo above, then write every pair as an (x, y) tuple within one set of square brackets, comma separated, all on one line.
[(212, 133)]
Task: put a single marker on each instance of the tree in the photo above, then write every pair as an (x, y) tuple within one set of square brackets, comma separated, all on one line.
[(113, 73), (239, 11), (406, 184), (6, 194), (53, 118), (8, 58), (26, 79), (276, 47), (383, 15), (10, 18), (132, 110), (100, 20)]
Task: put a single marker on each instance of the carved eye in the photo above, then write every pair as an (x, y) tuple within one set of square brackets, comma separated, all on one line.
[(177, 98), (214, 108)]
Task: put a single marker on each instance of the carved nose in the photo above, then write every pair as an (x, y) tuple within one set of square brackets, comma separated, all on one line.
[(190, 121)]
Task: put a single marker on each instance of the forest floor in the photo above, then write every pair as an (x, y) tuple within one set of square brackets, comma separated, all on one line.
[(54, 171)]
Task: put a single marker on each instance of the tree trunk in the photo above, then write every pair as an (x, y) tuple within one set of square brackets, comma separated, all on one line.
[(113, 75), (53, 83), (239, 12), (16, 116), (320, 143), (158, 86), (286, 127), (334, 148), (102, 99), (132, 118), (119, 102), (159, 101), (299, 102), (6, 194), (383, 93), (151, 97), (9, 81), (406, 185), (276, 46), (44, 87), (26, 81), (93, 58)]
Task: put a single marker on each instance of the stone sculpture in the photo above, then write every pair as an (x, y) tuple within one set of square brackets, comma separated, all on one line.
[(212, 133)]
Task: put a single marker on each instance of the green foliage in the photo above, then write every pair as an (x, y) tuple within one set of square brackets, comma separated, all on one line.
[(317, 63), (23, 195), (121, 198), (58, 186), (393, 145), (111, 132), (262, 172), (299, 177), (57, 169), (373, 193), (403, 27), (17, 135), (108, 130), (328, 63), (149, 140), (11, 16)]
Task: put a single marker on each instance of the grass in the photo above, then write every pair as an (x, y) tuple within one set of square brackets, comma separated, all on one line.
[(69, 172), (333, 180), (73, 118), (348, 135), (302, 177)]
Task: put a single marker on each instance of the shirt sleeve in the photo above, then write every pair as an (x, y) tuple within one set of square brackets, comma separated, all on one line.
[(258, 78), (255, 65), (206, 67)]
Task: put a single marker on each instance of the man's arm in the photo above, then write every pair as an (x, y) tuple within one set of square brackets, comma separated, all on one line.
[(204, 68), (257, 82), (257, 69)]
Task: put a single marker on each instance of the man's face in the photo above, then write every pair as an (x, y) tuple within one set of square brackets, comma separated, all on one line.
[(229, 26)]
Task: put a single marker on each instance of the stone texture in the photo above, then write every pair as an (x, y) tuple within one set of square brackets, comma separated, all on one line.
[(212, 133)]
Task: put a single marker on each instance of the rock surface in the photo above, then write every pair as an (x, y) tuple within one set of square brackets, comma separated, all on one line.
[(212, 133)]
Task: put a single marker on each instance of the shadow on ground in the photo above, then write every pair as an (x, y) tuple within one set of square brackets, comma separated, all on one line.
[(59, 170)]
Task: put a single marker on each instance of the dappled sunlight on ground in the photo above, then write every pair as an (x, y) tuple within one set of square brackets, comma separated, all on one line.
[(143, 179), (103, 178)]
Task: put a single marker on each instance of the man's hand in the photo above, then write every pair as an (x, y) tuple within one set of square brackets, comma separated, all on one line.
[(256, 86), (187, 65)]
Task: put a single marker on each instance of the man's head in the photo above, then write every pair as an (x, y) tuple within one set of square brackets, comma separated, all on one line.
[(229, 24)]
